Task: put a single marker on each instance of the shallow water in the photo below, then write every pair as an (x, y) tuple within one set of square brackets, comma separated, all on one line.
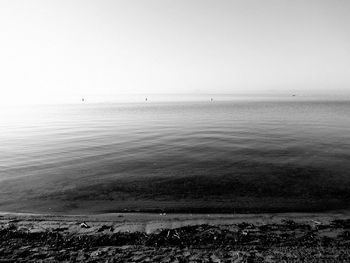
[(251, 155)]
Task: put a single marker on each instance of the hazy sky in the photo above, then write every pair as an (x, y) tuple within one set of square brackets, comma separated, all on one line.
[(61, 49)]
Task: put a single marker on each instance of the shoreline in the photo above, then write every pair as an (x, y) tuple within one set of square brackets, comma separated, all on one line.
[(152, 222), (145, 237)]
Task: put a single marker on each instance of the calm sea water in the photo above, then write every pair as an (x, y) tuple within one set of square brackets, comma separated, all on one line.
[(228, 156)]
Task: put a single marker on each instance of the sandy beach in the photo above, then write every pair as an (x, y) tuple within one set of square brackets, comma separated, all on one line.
[(147, 237), (175, 131)]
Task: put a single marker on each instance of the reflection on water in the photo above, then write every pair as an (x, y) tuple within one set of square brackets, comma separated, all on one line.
[(213, 156)]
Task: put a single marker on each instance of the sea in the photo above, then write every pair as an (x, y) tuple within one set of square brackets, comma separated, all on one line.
[(235, 155)]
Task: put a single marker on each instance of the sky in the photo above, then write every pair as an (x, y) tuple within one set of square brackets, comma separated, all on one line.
[(68, 49)]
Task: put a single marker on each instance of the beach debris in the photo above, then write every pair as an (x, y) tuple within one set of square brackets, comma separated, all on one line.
[(11, 226), (60, 229), (315, 225), (339, 223), (215, 259), (84, 225), (316, 222), (245, 225), (14, 221), (244, 232), (288, 222), (104, 227), (345, 235)]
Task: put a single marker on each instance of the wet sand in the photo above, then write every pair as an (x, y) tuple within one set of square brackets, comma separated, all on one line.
[(151, 222)]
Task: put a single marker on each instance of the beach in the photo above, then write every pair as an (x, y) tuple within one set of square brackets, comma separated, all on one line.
[(175, 131), (150, 237)]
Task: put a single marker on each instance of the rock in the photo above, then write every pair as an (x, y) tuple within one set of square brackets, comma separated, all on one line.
[(96, 253), (187, 254), (214, 259), (269, 259)]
